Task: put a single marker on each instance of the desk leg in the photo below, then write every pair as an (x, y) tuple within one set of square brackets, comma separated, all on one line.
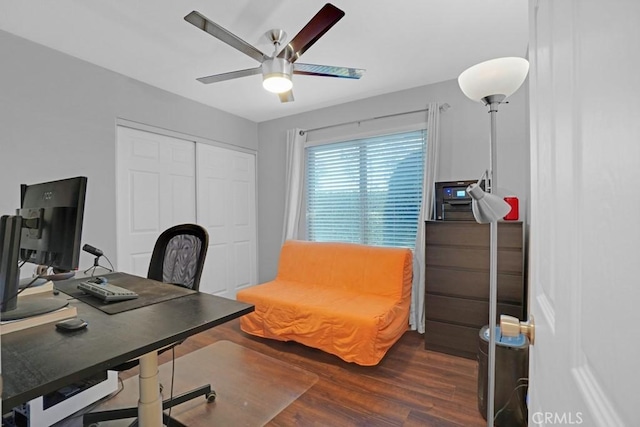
[(150, 403)]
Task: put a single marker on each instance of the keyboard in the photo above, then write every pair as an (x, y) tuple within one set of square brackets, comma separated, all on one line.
[(107, 292)]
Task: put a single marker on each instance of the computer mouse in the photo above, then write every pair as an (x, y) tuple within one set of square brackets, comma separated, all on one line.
[(71, 324)]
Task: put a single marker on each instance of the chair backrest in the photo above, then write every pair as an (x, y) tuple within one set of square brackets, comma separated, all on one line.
[(178, 256)]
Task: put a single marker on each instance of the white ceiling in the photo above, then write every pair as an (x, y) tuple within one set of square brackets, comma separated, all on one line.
[(400, 43)]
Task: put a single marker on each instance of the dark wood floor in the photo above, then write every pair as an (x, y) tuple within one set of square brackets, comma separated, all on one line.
[(410, 387)]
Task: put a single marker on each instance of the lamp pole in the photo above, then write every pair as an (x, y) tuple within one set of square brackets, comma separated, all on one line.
[(492, 101)]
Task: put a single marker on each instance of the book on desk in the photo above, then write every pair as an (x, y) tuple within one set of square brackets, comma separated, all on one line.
[(33, 290), (42, 291)]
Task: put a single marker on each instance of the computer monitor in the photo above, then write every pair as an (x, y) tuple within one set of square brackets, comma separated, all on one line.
[(47, 230)]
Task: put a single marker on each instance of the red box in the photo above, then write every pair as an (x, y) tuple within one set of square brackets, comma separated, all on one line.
[(514, 212)]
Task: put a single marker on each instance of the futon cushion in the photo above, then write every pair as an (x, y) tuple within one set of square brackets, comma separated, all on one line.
[(349, 300)]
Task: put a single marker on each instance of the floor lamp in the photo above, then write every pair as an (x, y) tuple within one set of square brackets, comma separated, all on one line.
[(491, 82)]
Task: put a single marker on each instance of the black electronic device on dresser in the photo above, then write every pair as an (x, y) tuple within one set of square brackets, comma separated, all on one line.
[(452, 201), (457, 282)]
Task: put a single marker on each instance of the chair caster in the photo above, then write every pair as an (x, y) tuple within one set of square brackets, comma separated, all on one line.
[(211, 397)]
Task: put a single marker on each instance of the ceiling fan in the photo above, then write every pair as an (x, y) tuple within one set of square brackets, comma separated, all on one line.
[(278, 68)]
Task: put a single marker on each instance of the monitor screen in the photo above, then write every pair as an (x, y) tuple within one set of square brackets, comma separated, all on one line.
[(52, 214)]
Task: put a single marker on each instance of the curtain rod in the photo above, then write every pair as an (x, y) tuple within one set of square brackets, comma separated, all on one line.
[(444, 107)]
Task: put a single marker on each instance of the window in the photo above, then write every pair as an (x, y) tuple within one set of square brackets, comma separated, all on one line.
[(366, 191)]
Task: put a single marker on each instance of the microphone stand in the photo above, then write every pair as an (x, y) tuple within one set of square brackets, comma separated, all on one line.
[(96, 264)]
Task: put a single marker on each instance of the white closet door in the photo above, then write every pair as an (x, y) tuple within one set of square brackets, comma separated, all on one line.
[(155, 190), (226, 207)]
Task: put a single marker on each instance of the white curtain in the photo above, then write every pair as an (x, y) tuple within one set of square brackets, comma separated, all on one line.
[(416, 316), (294, 183)]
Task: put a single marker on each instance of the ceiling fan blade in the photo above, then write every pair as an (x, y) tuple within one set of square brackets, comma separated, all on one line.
[(221, 34), (228, 76), (319, 24), (327, 71), (286, 96)]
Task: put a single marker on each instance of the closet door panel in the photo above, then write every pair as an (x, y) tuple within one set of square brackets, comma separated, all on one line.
[(155, 190), (226, 207)]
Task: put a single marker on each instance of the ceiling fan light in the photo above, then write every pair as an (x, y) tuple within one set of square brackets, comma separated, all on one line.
[(501, 76), (276, 75), (277, 83)]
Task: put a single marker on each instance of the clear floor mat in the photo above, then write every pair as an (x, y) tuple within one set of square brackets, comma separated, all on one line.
[(251, 388)]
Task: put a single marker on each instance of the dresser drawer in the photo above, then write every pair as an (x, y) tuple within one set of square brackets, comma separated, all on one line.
[(465, 312), (472, 284), (462, 233), (509, 261)]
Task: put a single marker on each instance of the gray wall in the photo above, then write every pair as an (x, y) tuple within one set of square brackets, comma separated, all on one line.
[(58, 119), (464, 149)]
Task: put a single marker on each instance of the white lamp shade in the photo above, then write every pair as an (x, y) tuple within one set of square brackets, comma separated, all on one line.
[(501, 76), (486, 207)]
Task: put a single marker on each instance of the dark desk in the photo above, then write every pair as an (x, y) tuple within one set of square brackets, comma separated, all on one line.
[(41, 360)]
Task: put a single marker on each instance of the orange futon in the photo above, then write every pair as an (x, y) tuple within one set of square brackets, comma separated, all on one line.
[(346, 299)]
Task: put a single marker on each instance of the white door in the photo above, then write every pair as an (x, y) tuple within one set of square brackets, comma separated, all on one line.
[(226, 208), (156, 190), (585, 207)]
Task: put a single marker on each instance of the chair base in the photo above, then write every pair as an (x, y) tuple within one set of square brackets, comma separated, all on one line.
[(92, 418)]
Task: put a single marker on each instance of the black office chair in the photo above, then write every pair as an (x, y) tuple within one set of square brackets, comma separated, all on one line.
[(178, 258)]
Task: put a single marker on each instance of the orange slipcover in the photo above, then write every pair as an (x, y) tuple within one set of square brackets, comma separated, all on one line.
[(346, 299)]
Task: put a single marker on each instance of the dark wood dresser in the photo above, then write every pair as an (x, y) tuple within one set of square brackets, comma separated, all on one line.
[(457, 282)]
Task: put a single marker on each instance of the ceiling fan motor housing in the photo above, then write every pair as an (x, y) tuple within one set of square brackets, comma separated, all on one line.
[(276, 75)]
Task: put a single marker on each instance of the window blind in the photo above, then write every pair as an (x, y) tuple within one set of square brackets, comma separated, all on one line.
[(366, 191)]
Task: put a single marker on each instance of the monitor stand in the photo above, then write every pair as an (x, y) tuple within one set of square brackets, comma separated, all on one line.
[(34, 305)]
